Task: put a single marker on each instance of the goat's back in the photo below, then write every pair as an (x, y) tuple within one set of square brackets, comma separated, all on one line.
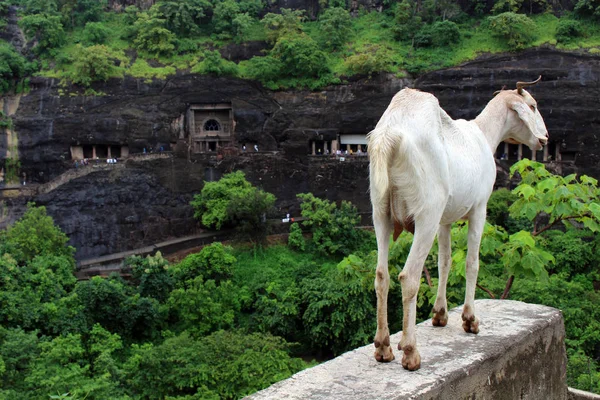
[(423, 158), (407, 151)]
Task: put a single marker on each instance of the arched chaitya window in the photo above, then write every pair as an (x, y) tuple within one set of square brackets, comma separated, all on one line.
[(212, 125)]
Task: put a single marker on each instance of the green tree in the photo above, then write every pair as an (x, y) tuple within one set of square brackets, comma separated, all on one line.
[(34, 234), (439, 34), (95, 33), (186, 16), (333, 229), (568, 30), (266, 70), (240, 25), (301, 56), (288, 23), (151, 34), (224, 365), (224, 13), (93, 64), (368, 61), (517, 30), (233, 202), (588, 8), (213, 262), (151, 275), (515, 6), (407, 22), (13, 67), (45, 30), (213, 63), (336, 27)]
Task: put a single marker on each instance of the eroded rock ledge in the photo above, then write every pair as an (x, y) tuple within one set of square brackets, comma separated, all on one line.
[(518, 354)]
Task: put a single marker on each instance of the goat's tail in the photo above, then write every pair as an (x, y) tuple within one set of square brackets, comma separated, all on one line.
[(383, 143)]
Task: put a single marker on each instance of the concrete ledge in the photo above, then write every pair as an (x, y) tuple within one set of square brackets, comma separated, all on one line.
[(518, 354), (576, 394)]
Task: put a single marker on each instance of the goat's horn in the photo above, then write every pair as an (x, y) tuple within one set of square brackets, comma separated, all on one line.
[(498, 91), (520, 85)]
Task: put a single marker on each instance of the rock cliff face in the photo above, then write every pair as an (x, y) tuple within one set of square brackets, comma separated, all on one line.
[(147, 201)]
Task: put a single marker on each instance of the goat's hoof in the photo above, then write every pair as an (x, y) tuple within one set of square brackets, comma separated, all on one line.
[(470, 324), (383, 351), (440, 318), (411, 359)]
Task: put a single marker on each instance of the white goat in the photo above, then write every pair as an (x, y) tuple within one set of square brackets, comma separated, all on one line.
[(428, 171)]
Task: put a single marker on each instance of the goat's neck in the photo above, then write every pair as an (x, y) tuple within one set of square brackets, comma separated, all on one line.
[(492, 122)]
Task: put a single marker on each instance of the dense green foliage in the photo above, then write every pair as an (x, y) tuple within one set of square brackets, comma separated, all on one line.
[(234, 202), (225, 322), (406, 36), (158, 335)]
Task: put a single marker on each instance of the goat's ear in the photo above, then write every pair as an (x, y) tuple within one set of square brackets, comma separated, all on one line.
[(525, 114)]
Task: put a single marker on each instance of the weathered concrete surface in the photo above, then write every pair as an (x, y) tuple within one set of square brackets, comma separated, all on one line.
[(518, 354), (576, 394)]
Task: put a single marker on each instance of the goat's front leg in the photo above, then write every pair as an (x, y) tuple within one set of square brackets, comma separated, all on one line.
[(476, 224), (410, 278), (383, 229), (440, 308)]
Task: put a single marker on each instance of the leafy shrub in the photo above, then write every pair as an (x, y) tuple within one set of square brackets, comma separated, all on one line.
[(214, 63), (13, 66), (333, 229), (151, 35), (498, 212), (92, 64), (445, 33), (265, 70), (151, 275), (34, 234), (407, 23), (224, 13), (240, 25), (588, 8), (223, 365), (287, 23), (568, 30), (85, 11), (46, 30), (296, 239), (233, 201), (517, 30), (95, 33), (185, 46), (185, 16), (301, 56), (213, 262), (573, 251), (533, 6), (335, 24), (371, 60)]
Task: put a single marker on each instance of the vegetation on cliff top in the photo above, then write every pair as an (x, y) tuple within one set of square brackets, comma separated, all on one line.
[(84, 41)]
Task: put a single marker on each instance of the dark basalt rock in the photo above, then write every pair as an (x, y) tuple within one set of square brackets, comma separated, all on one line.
[(148, 201)]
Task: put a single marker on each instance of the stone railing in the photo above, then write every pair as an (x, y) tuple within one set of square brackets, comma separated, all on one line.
[(519, 353)]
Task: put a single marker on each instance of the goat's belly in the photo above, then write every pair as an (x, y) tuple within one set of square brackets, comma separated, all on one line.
[(450, 217), (455, 212)]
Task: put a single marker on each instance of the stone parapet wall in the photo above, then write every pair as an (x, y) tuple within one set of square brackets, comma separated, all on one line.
[(518, 354)]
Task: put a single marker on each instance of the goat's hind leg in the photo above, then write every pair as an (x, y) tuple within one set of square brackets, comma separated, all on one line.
[(476, 225), (410, 278), (440, 308), (383, 229)]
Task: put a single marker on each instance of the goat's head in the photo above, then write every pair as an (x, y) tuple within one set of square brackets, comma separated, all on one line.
[(525, 123)]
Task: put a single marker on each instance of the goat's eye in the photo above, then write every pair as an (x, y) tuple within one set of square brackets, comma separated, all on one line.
[(532, 107)]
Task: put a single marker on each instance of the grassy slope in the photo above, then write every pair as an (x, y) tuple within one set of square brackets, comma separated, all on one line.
[(368, 29)]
